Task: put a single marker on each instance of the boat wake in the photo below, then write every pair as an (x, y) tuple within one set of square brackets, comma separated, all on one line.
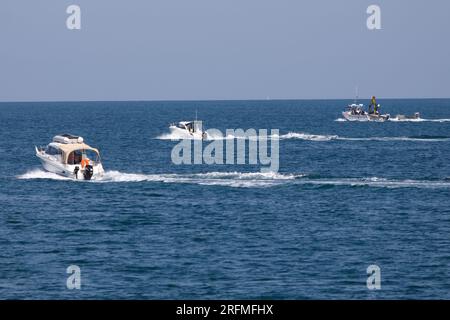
[(308, 137), (211, 136), (315, 137), (230, 179), (418, 120), (412, 138), (247, 179), (395, 119), (180, 136), (177, 136), (378, 183), (41, 174)]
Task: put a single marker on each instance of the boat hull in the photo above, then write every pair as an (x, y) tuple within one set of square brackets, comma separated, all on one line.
[(65, 170), (354, 117), (364, 117)]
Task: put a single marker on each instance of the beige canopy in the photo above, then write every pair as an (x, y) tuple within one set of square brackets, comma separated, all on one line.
[(70, 147)]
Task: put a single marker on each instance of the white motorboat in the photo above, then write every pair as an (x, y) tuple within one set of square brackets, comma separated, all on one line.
[(188, 129), (357, 114), (69, 156)]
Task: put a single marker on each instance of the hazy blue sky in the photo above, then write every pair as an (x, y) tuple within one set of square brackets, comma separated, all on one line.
[(223, 49)]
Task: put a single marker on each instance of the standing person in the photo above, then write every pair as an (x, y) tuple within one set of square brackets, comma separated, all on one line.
[(373, 103)]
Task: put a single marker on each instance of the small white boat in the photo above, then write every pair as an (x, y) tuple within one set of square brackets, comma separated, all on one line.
[(355, 112), (69, 156), (188, 129)]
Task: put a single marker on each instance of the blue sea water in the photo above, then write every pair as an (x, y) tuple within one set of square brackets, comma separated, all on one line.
[(347, 195)]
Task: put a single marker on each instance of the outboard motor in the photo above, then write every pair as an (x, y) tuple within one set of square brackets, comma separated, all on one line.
[(75, 171), (88, 172)]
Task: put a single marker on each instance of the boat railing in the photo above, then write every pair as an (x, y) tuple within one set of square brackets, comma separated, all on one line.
[(41, 148)]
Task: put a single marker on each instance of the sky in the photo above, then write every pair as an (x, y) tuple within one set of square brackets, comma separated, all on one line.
[(223, 49)]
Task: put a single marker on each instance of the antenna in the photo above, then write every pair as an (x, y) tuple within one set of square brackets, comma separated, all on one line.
[(357, 95)]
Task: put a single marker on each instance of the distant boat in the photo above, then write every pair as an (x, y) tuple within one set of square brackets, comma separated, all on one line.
[(188, 128), (356, 112)]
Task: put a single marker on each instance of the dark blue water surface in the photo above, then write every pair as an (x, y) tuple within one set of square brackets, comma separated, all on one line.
[(347, 195)]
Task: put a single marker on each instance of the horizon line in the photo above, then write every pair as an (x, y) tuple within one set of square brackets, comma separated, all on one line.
[(215, 100)]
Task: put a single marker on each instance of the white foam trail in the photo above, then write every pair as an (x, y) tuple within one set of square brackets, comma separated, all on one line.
[(378, 182), (407, 120), (396, 139), (210, 137), (437, 120), (318, 137), (177, 136), (418, 120), (309, 137), (231, 179), (41, 174), (248, 175), (244, 179), (117, 176), (395, 119)]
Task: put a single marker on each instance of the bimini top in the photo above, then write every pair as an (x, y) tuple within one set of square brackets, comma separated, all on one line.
[(69, 148), (71, 143)]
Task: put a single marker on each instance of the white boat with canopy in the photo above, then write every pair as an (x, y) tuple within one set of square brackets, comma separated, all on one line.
[(69, 156)]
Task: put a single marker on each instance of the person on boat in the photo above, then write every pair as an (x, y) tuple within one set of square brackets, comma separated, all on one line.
[(375, 108), (373, 103), (85, 162)]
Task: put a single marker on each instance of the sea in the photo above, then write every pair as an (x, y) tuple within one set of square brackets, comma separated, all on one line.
[(347, 196)]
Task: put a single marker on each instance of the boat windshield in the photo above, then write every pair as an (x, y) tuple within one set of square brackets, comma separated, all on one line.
[(54, 152), (189, 126), (75, 157)]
